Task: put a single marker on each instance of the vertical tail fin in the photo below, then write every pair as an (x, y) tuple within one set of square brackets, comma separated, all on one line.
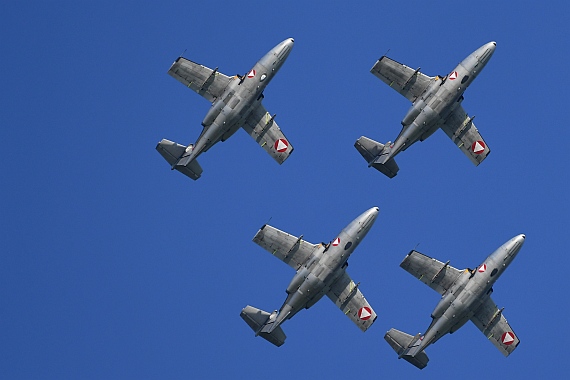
[(173, 153), (376, 154), (406, 346), (258, 319)]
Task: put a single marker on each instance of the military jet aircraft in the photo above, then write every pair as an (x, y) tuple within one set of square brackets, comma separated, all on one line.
[(436, 103), (236, 102), (321, 270), (466, 295)]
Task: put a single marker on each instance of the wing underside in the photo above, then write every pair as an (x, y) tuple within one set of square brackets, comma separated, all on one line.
[(261, 126), (201, 79), (493, 324), (435, 274), (462, 131), (407, 81), (292, 250), (347, 297)]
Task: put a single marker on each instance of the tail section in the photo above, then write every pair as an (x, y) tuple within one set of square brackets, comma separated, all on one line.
[(407, 347), (175, 153), (263, 324), (377, 156)]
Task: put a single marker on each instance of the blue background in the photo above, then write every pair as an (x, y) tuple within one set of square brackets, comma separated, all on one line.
[(113, 266)]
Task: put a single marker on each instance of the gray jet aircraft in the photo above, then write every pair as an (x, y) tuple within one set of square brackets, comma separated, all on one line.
[(466, 295), (436, 103), (236, 102), (321, 270)]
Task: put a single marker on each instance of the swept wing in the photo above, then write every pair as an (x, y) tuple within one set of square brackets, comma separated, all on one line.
[(492, 323), (347, 296), (263, 129), (435, 274), (460, 128), (203, 80), (292, 250), (407, 81)]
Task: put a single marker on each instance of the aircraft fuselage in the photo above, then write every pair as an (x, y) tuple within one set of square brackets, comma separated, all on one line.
[(440, 99), (315, 279), (468, 293), (242, 95)]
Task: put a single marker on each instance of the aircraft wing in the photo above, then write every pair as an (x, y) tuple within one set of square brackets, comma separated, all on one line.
[(290, 249), (435, 274), (407, 81), (203, 80), (263, 129), (460, 128), (347, 296), (491, 321)]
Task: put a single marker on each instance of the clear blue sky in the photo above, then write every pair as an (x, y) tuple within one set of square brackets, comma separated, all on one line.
[(113, 266)]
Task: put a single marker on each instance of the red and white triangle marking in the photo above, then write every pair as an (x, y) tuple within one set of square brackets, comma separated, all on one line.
[(478, 147), (508, 338), (336, 242), (281, 145), (364, 313), (251, 74), (453, 75), (482, 268)]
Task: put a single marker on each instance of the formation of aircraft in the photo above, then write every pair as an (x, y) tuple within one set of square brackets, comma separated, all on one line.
[(236, 103), (466, 295), (436, 103), (321, 270)]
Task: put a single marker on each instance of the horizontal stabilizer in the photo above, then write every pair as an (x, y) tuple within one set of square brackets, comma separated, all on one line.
[(257, 319), (173, 152), (372, 151), (401, 343)]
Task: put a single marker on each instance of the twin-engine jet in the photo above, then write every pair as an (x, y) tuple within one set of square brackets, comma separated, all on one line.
[(436, 103), (236, 102), (321, 270), (466, 295)]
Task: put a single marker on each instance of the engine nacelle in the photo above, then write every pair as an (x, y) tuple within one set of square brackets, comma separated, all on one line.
[(316, 298), (443, 305), (429, 132), (297, 280), (459, 324), (413, 112), (213, 113)]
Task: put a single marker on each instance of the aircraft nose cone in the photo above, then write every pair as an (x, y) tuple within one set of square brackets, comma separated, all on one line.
[(484, 53), (520, 238), (373, 211), (292, 39), (517, 242), (514, 245)]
